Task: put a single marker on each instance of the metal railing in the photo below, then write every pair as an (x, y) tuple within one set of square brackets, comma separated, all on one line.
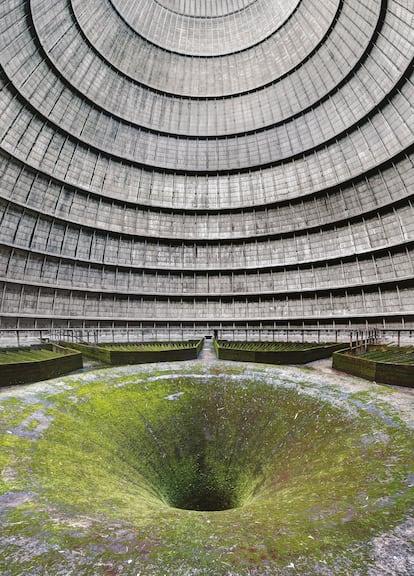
[(352, 337)]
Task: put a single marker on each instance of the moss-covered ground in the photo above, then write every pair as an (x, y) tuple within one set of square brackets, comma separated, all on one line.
[(220, 469), (26, 355), (270, 346), (150, 346), (392, 355)]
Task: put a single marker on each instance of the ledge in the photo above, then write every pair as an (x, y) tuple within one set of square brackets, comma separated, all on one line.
[(166, 353), (25, 372), (389, 372), (279, 353)]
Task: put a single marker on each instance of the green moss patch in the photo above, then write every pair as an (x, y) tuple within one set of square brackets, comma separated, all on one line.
[(237, 474), (14, 356), (393, 355), (151, 346)]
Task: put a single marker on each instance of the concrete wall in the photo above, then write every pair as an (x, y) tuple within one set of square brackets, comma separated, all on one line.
[(26, 372), (226, 162), (277, 357), (113, 356), (381, 372)]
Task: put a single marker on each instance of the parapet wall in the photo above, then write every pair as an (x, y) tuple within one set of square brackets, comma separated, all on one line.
[(279, 356), (382, 372), (117, 357), (26, 372)]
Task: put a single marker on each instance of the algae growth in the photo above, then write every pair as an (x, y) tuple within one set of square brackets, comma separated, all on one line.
[(198, 471)]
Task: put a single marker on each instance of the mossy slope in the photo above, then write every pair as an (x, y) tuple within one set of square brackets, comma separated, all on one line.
[(296, 479)]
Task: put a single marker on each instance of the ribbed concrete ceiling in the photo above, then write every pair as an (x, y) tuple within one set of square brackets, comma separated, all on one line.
[(200, 35), (207, 160), (203, 9)]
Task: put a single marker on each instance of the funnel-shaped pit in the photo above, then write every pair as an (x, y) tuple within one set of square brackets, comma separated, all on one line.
[(240, 469), (203, 445)]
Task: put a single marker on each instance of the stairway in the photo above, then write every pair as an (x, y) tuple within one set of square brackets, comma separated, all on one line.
[(208, 353)]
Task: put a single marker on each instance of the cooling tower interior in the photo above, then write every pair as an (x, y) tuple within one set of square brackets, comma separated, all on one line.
[(206, 163)]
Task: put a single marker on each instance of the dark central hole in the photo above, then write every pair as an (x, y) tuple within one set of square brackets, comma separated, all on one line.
[(204, 499), (203, 489), (204, 496)]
